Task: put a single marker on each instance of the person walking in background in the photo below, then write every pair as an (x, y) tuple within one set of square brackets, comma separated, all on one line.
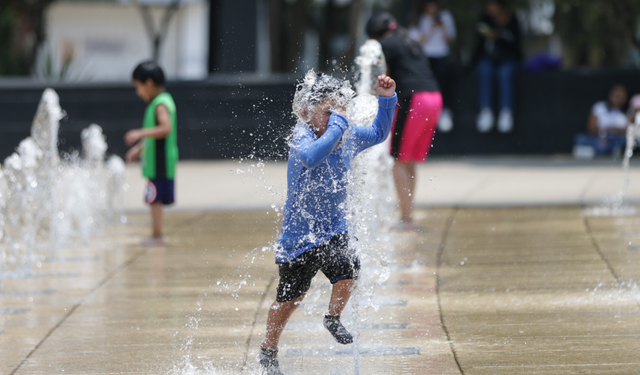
[(420, 104), (498, 53), (435, 30), (606, 127), (155, 143)]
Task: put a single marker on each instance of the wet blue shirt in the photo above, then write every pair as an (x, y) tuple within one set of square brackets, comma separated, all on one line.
[(317, 179)]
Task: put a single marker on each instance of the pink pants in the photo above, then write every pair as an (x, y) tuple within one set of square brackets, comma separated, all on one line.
[(414, 126)]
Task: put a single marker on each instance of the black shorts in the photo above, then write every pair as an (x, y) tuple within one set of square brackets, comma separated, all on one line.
[(334, 258), (159, 190)]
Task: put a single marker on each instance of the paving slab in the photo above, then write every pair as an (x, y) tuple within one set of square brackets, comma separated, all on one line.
[(442, 182), (536, 290)]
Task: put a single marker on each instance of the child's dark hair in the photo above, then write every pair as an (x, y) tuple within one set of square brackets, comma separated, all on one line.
[(149, 70), (381, 23)]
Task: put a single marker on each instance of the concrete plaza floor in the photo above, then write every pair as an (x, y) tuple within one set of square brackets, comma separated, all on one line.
[(488, 287), (442, 182)]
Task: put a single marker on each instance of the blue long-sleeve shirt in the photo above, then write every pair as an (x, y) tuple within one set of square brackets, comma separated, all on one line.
[(317, 174)]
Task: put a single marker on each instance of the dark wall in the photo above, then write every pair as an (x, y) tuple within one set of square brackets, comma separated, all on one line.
[(233, 36), (550, 108), (216, 119), (232, 116)]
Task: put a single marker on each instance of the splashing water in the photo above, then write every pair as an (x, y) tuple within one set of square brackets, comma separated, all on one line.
[(370, 193), (369, 208), (371, 64), (314, 89), (45, 201), (615, 205)]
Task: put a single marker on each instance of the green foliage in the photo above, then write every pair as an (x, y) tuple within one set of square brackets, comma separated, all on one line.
[(593, 32), (597, 32), (8, 25), (21, 33)]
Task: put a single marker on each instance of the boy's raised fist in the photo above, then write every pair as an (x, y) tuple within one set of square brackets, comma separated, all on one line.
[(386, 85)]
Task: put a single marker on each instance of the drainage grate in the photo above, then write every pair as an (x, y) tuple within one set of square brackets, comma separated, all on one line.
[(27, 293), (365, 352), (319, 327), (374, 303), (13, 311)]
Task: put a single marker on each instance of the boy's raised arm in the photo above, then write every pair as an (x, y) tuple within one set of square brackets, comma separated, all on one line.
[(371, 135), (312, 152)]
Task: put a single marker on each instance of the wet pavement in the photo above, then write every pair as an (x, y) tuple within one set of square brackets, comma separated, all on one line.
[(539, 290)]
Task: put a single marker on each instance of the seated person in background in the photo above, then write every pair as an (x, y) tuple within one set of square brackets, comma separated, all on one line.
[(606, 129), (634, 107)]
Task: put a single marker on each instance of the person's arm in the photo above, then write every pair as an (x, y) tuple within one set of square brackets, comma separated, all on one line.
[(134, 152), (416, 34), (312, 152), (367, 136), (511, 33), (390, 51), (592, 124), (426, 35), (478, 51), (162, 130), (449, 26)]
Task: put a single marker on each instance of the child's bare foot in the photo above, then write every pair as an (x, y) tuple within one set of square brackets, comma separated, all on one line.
[(152, 242)]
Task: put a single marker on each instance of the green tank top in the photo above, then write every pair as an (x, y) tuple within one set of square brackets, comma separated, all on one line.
[(160, 156)]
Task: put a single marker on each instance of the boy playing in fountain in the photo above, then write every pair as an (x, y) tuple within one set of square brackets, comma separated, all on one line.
[(156, 143), (314, 232)]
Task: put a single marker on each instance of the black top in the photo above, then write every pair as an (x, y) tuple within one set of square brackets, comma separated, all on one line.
[(407, 65), (507, 46)]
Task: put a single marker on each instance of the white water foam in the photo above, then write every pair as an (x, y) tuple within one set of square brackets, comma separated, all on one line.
[(370, 208), (45, 202)]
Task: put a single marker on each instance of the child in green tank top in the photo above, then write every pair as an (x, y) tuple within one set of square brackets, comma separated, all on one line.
[(155, 144)]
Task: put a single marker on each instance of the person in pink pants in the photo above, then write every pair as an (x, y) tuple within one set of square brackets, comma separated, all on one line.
[(418, 111)]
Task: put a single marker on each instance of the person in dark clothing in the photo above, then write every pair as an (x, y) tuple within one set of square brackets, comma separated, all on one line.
[(420, 107), (498, 53), (435, 30)]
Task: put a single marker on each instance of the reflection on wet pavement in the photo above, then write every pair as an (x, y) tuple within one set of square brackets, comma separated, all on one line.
[(479, 291)]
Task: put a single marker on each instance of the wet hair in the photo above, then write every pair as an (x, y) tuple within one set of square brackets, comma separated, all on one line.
[(149, 70), (379, 24), (316, 87)]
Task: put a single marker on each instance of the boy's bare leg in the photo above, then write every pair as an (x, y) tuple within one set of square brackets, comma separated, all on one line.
[(340, 296), (404, 174), (279, 315), (156, 219)]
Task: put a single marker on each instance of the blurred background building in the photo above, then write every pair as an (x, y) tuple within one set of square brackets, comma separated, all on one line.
[(100, 40), (225, 58)]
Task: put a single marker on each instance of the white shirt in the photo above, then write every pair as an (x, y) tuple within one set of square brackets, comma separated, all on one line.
[(609, 117), (436, 45)]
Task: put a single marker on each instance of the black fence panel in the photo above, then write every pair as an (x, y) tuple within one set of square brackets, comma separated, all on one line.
[(237, 117)]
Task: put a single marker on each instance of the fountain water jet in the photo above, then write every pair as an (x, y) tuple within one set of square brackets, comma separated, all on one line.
[(614, 205), (371, 191), (44, 200)]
